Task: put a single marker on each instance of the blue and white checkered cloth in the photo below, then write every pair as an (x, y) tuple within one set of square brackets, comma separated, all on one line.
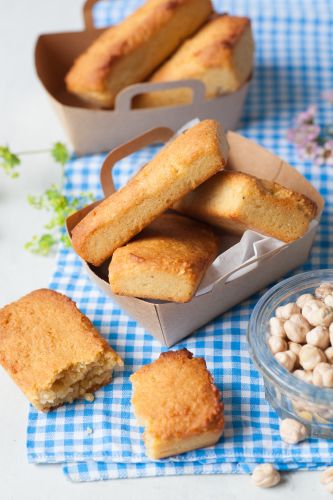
[(100, 440)]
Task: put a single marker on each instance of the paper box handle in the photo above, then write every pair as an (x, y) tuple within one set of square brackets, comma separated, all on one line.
[(123, 102), (88, 14), (161, 134)]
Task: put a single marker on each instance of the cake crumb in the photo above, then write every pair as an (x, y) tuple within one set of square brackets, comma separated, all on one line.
[(89, 397)]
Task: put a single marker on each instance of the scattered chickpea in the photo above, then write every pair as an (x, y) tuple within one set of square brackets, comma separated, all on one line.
[(317, 313), (287, 359), (296, 328), (277, 344), (310, 356), (327, 479), (323, 375), (286, 311), (276, 327), (292, 431), (265, 476), (318, 337)]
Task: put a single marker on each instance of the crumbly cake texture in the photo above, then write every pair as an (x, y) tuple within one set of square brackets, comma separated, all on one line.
[(235, 201), (128, 53), (176, 401), (52, 351), (183, 164), (220, 55), (166, 261)]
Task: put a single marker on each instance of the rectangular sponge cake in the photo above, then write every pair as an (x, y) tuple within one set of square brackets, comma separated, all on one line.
[(236, 201), (129, 52), (176, 401), (220, 55), (166, 261), (181, 166), (52, 351)]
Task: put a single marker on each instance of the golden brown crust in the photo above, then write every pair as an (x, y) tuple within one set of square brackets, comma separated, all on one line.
[(220, 55), (236, 201), (175, 398), (179, 167), (42, 336), (166, 261), (129, 52)]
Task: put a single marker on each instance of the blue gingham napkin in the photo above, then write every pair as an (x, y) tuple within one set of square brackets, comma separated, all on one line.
[(100, 440)]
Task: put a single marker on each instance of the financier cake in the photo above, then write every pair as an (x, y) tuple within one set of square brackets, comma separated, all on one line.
[(235, 201), (52, 351), (181, 166), (176, 401), (220, 55), (166, 261), (128, 52)]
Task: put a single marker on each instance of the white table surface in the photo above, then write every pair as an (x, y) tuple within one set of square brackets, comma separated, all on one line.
[(27, 122)]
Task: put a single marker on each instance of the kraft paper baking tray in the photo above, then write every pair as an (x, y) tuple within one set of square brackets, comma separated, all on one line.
[(264, 260), (95, 130)]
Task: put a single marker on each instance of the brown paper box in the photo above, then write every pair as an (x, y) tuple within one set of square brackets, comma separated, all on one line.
[(170, 322), (95, 130)]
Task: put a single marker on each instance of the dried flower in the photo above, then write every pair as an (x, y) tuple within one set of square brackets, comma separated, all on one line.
[(313, 142)]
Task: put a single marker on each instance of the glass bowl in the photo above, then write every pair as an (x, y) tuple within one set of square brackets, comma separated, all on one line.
[(289, 396)]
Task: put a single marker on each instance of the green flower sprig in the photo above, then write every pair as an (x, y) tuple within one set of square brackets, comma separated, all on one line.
[(60, 207), (53, 201)]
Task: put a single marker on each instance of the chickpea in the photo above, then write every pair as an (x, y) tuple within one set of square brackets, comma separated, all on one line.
[(329, 300), (329, 354), (276, 327), (318, 337), (302, 299), (310, 356), (306, 376), (323, 375), (323, 290), (296, 328), (317, 313), (265, 476), (331, 333), (287, 359), (292, 431), (294, 347), (277, 344), (284, 312)]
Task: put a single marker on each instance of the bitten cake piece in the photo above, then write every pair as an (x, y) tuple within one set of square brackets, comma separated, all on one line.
[(129, 52), (176, 401), (220, 55), (52, 351), (183, 164), (235, 201), (166, 261)]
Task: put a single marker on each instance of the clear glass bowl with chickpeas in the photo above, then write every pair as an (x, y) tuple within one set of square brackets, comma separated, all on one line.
[(290, 336)]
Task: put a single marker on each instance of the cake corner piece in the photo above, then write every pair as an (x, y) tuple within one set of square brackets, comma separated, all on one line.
[(177, 402)]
